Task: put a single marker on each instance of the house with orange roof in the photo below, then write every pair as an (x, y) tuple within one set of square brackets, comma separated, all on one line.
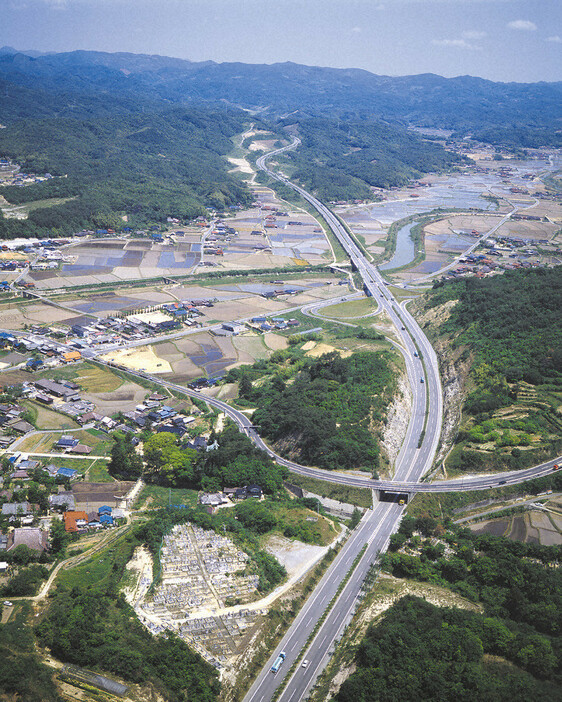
[(75, 521)]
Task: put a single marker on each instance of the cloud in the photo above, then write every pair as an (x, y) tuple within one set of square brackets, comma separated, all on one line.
[(455, 43), (555, 39), (474, 34), (523, 25), (356, 30)]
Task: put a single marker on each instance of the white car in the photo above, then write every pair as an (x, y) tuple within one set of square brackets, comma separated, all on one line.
[(7, 603), (304, 664)]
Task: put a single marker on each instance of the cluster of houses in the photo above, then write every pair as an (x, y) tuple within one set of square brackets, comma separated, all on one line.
[(266, 324), (211, 501), (12, 175), (509, 251), (23, 467), (158, 416), (53, 355), (79, 521), (12, 422)]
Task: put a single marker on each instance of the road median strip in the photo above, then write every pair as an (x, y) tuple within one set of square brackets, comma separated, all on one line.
[(319, 624)]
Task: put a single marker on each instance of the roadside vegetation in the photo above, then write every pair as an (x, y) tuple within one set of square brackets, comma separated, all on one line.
[(508, 329)]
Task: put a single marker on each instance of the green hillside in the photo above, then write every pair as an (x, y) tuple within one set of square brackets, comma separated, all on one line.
[(147, 167)]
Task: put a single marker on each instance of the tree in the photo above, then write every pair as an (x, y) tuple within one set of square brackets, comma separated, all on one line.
[(59, 537), (255, 516), (167, 463), (245, 386), (125, 462)]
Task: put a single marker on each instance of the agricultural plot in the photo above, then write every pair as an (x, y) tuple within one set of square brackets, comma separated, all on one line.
[(292, 237), (539, 527), (107, 260)]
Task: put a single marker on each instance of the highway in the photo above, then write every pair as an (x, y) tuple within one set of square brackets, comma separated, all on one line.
[(377, 525), (372, 535)]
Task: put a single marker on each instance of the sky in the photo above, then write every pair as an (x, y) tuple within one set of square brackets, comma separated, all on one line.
[(502, 40)]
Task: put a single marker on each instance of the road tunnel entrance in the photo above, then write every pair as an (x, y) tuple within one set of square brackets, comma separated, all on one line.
[(400, 498)]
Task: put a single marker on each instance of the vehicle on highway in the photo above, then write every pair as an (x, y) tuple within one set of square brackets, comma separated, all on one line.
[(7, 603), (502, 482), (422, 380), (416, 354), (304, 664), (555, 466), (278, 662)]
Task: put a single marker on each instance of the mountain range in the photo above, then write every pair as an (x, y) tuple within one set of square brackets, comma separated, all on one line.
[(466, 103)]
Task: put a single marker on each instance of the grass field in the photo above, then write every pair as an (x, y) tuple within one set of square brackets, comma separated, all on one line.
[(98, 473), (44, 418), (320, 530), (96, 570), (156, 497), (362, 497), (252, 345), (44, 443), (351, 309)]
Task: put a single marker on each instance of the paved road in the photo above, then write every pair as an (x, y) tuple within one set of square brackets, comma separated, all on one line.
[(372, 531), (415, 458)]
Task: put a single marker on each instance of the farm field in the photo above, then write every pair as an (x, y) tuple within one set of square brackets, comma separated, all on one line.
[(293, 237), (531, 527), (189, 357), (493, 193)]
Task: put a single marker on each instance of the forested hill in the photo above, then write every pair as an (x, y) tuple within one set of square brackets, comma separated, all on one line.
[(145, 166), (461, 103), (513, 322), (500, 343), (342, 160)]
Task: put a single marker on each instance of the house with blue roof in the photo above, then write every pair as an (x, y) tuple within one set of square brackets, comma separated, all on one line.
[(66, 441), (106, 519), (66, 473)]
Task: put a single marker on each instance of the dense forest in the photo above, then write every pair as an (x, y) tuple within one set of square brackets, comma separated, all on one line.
[(146, 166), (512, 322), (322, 411), (422, 652), (343, 160), (517, 585), (512, 580)]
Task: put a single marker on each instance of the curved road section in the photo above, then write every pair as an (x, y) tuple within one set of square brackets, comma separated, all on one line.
[(321, 621)]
